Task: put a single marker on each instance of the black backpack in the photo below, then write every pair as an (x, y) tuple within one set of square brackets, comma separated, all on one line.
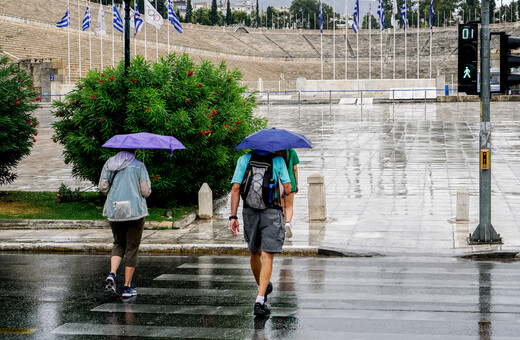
[(258, 187)]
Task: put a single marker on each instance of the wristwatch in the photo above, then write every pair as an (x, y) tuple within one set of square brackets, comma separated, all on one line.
[(233, 217)]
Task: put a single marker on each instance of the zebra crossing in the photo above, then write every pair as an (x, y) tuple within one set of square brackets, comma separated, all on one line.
[(211, 297)]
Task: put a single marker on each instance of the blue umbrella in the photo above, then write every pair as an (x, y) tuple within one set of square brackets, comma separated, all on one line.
[(273, 140), (144, 140)]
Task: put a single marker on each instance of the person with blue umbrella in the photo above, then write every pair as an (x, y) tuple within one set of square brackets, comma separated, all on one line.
[(261, 178)]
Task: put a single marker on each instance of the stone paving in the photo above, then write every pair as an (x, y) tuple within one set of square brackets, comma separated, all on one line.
[(391, 174)]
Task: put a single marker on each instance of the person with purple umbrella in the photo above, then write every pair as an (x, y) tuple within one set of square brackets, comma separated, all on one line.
[(125, 182)]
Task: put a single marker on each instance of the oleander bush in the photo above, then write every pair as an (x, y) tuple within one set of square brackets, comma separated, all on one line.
[(202, 105), (17, 125)]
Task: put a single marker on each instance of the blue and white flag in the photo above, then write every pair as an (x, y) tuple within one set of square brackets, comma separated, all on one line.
[(381, 15), (138, 22), (86, 19), (173, 18), (321, 18), (403, 14), (431, 14), (65, 21), (355, 25), (118, 22)]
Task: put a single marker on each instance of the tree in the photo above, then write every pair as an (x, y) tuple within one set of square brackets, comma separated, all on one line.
[(257, 15), (189, 10), (229, 15), (17, 125), (492, 8), (241, 18), (308, 10), (203, 106), (269, 17), (201, 16), (213, 16)]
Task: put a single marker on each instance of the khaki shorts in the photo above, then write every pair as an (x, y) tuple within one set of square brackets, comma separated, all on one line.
[(264, 229)]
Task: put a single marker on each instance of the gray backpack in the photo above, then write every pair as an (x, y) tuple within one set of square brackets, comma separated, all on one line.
[(258, 187)]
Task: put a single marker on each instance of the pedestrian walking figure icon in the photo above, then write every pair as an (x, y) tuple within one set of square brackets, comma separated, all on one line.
[(467, 73)]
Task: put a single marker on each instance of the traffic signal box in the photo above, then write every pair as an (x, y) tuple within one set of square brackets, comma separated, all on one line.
[(468, 58), (508, 61)]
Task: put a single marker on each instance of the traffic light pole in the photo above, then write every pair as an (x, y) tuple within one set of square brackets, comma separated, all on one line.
[(485, 233)]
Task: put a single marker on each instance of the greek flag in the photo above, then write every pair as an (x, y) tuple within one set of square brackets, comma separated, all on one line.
[(138, 22), (321, 18), (381, 15), (431, 14), (118, 22), (403, 14), (173, 18), (86, 19), (65, 21), (356, 17)]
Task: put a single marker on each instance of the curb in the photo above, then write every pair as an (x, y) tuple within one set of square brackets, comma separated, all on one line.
[(150, 249)]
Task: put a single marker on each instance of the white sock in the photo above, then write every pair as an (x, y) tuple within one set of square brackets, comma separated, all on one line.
[(260, 299)]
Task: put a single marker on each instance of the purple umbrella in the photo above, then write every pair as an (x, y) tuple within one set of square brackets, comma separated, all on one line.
[(144, 140), (274, 140)]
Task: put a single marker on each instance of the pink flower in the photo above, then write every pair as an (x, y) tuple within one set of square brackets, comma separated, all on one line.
[(175, 128), (41, 107), (214, 93), (155, 177), (102, 74), (226, 126), (187, 100), (133, 80), (93, 96), (18, 103), (200, 85), (34, 140), (102, 120), (214, 112), (238, 122), (229, 79), (101, 81), (54, 140), (73, 102), (190, 73), (30, 121), (36, 133), (147, 109)]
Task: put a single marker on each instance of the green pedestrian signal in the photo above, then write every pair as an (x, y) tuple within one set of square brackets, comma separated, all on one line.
[(468, 58)]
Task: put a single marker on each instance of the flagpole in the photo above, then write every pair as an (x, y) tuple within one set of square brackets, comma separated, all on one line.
[(369, 22), (381, 45), (431, 52), (321, 38), (68, 38), (334, 40), (156, 37), (394, 50), (346, 39), (113, 36), (79, 37), (90, 37), (168, 27), (145, 45), (405, 49), (418, 54)]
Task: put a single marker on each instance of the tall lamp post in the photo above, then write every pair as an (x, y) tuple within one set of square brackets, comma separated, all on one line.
[(127, 35)]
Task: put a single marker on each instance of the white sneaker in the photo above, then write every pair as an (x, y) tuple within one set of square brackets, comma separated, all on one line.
[(288, 231)]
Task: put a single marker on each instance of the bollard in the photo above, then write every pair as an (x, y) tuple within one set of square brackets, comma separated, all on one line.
[(205, 202), (316, 197), (462, 205)]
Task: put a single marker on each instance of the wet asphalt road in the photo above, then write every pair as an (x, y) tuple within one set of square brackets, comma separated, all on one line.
[(211, 297)]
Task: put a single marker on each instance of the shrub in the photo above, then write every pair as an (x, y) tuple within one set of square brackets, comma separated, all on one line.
[(203, 106), (66, 194), (17, 126)]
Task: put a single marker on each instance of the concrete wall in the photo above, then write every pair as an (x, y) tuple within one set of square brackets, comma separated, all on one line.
[(363, 84)]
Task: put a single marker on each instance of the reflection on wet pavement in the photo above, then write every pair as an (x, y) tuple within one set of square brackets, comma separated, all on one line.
[(391, 171)]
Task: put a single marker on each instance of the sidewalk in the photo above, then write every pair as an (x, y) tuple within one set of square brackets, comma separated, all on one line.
[(391, 173)]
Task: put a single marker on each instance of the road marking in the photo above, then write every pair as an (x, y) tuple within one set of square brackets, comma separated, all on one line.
[(17, 330)]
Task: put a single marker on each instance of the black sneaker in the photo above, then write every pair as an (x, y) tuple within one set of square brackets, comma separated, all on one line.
[(268, 290), (261, 309)]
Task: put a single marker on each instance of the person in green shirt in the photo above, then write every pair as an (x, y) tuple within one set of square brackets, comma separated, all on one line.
[(292, 161)]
